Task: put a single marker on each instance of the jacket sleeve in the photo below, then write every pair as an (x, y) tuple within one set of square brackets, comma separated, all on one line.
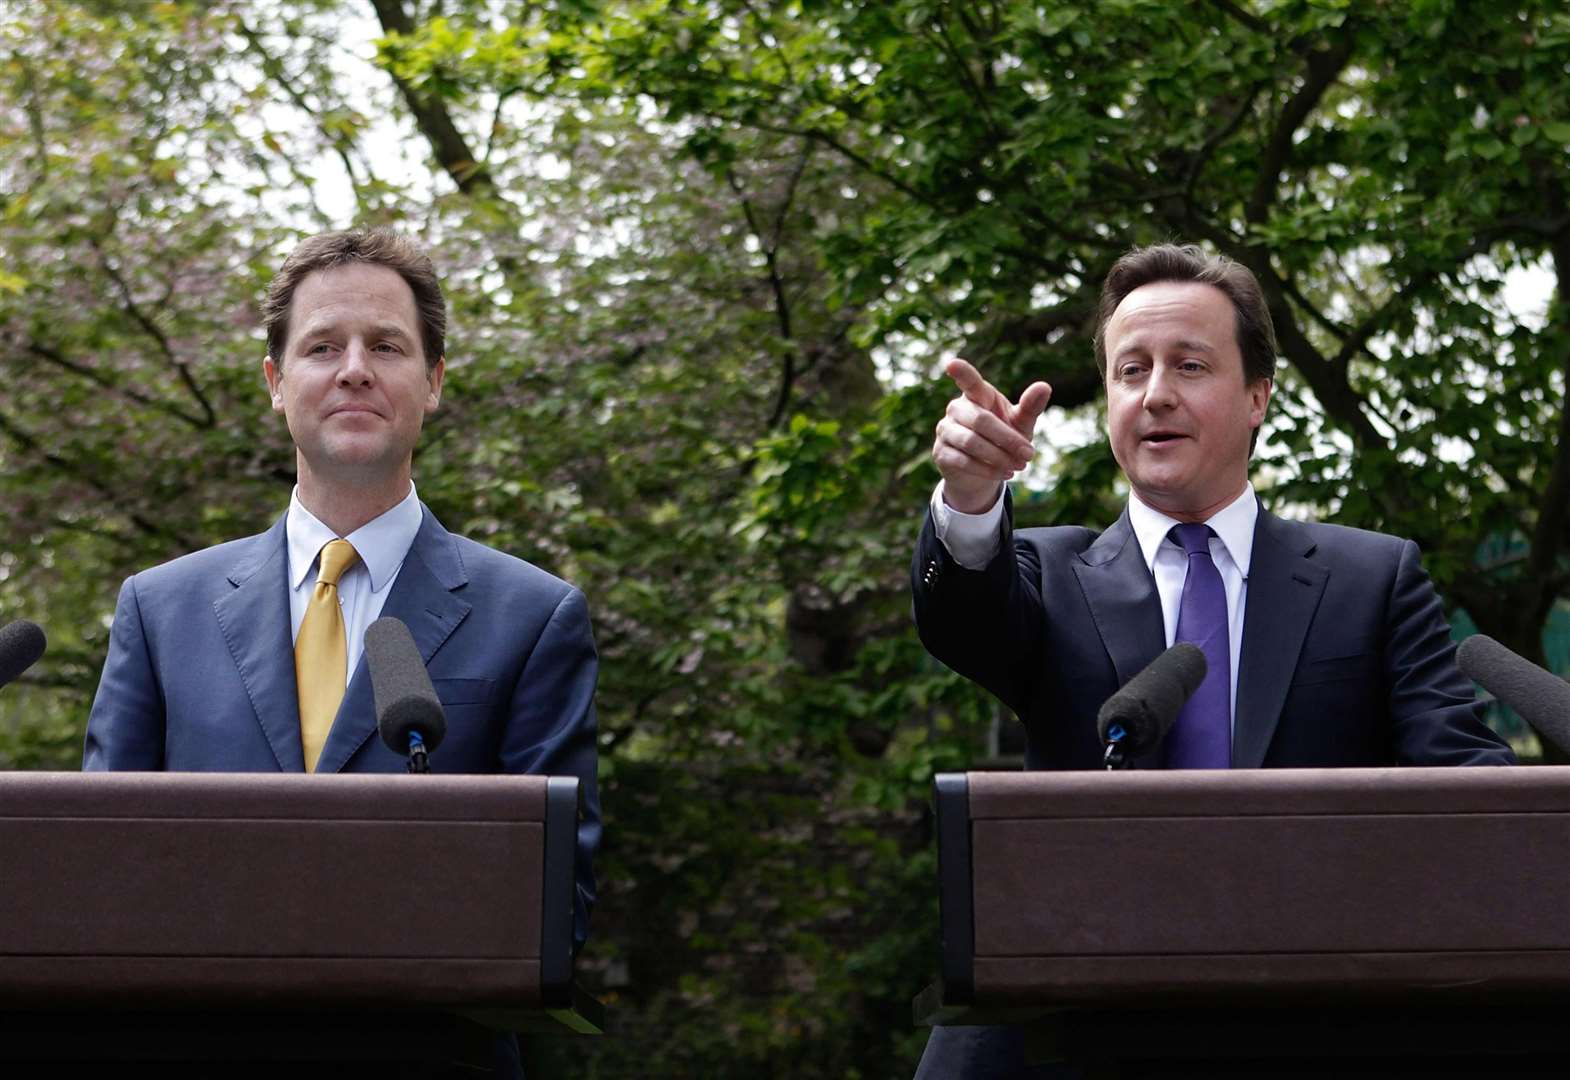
[(551, 728), (1435, 717), (125, 730), (985, 624)]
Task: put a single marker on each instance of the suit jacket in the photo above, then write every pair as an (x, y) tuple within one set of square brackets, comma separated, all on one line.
[(200, 672), (1346, 656)]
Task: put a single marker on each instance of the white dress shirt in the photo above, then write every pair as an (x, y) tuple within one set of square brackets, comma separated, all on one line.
[(972, 540), (382, 544)]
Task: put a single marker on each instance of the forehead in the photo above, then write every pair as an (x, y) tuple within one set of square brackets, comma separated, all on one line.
[(352, 295), (1164, 312)]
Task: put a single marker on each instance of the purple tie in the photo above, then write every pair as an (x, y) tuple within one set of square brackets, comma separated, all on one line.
[(1202, 736)]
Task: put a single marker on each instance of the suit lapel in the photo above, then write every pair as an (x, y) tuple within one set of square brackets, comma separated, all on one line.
[(254, 620), (1122, 597), (422, 599), (1284, 587)]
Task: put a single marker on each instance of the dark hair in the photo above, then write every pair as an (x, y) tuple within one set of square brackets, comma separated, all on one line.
[(377, 247), (1256, 334)]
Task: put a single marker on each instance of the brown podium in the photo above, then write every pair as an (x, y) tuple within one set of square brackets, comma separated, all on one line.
[(1261, 922), (228, 918)]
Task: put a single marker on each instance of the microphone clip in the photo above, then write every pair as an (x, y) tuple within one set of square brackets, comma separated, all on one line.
[(419, 760), (1115, 758)]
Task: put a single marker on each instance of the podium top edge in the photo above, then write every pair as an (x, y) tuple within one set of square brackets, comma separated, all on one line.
[(1416, 790), (274, 796)]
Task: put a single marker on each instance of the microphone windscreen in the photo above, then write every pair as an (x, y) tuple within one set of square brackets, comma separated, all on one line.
[(1145, 708), (405, 699), (21, 644), (1540, 697)]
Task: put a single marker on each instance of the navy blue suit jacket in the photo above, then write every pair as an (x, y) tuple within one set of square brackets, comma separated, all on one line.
[(1346, 659), (200, 672)]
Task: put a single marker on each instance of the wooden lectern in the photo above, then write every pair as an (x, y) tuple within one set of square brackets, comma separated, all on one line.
[(184, 917), (1257, 922)]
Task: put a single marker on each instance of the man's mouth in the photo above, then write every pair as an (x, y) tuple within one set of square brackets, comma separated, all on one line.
[(1163, 437)]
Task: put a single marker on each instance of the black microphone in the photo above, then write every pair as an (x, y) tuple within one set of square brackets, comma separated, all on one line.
[(1540, 697), (21, 644), (1136, 718), (408, 712)]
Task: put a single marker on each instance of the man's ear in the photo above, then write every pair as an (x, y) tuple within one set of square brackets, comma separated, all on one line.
[(273, 373), (434, 398), (1259, 399)]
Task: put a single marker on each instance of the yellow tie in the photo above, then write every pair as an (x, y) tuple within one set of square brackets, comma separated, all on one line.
[(321, 652)]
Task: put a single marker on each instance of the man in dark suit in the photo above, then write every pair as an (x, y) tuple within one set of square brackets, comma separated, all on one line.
[(247, 656), (1326, 646)]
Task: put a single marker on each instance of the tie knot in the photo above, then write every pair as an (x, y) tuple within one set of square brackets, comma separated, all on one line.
[(1193, 538), (337, 556)]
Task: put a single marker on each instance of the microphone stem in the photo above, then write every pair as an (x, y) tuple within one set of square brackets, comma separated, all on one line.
[(1114, 757), (418, 762)]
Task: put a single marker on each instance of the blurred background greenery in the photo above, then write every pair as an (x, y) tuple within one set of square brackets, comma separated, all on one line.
[(703, 259)]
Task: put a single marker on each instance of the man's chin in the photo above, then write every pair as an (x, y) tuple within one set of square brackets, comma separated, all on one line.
[(360, 461), (1168, 494), (1162, 483)]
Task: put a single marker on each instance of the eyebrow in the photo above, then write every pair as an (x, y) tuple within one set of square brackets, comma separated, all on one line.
[(380, 330), (1183, 344)]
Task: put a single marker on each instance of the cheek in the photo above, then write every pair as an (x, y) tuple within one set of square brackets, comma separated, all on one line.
[(1120, 419)]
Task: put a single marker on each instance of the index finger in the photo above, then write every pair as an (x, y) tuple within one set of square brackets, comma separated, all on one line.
[(973, 386)]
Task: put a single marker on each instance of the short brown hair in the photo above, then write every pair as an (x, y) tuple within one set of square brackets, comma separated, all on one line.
[(375, 246), (1256, 334)]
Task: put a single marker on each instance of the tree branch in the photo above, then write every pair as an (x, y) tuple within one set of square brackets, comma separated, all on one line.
[(273, 68), (152, 330), (1357, 338), (1324, 67), (35, 118), (1548, 533), (496, 124), (431, 117), (1253, 22), (98, 378), (781, 301), (1303, 304), (1327, 381), (775, 48), (33, 446), (1214, 140), (940, 35)]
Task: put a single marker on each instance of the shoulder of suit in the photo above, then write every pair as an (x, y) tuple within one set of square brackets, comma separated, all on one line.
[(216, 561), (485, 564), (1340, 537), (1065, 538)]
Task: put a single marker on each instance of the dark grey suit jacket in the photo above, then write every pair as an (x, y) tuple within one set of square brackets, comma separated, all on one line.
[(1346, 659)]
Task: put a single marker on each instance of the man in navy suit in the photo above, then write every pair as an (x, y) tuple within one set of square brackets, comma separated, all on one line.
[(201, 671), (1333, 649)]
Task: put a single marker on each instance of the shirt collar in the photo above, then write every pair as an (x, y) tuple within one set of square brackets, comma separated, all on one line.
[(382, 543), (1233, 525)]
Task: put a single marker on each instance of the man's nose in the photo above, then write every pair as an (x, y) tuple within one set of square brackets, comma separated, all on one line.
[(1160, 389), (355, 369)]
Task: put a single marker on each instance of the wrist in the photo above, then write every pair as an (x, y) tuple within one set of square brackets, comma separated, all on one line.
[(971, 501)]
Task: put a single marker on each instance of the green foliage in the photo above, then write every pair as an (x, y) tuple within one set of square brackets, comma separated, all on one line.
[(703, 259)]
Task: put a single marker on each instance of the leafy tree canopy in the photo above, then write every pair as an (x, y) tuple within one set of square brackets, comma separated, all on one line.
[(703, 259)]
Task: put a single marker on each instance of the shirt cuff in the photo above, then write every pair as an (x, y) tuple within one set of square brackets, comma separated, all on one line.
[(971, 539)]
